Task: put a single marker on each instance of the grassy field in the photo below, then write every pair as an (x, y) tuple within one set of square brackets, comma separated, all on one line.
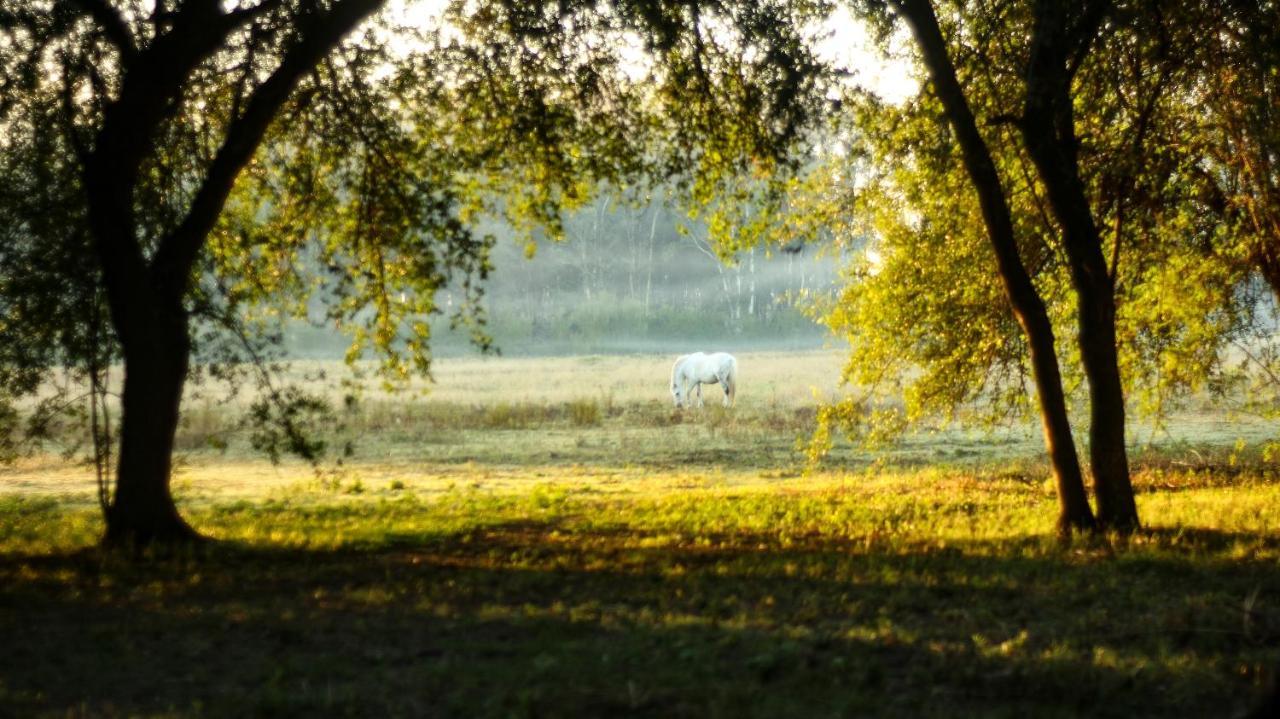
[(546, 538)]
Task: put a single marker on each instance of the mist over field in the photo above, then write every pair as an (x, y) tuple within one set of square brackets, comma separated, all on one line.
[(632, 280)]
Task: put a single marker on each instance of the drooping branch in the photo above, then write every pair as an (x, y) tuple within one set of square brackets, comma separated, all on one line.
[(1127, 179)]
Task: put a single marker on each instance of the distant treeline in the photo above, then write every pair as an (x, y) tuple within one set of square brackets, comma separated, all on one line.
[(633, 279)]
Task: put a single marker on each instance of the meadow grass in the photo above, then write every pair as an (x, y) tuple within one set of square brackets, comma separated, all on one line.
[(929, 593), (588, 555)]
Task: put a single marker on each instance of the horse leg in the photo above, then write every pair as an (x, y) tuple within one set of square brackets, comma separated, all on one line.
[(727, 383), (698, 385)]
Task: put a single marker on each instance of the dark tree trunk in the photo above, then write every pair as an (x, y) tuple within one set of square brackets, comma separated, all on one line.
[(1073, 503), (1028, 307), (1048, 131), (1269, 706), (155, 369)]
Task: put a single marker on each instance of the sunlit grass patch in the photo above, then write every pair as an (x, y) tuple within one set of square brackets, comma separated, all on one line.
[(871, 593), (44, 525)]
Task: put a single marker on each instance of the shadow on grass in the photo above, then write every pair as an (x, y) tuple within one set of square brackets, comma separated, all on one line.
[(533, 619)]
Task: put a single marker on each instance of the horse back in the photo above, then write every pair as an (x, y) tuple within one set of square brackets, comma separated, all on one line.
[(726, 363)]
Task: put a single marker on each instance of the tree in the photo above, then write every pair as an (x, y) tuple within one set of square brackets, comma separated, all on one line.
[(1060, 40), (1107, 129), (147, 275), (1058, 43), (1241, 89), (1064, 120), (211, 153), (1023, 297)]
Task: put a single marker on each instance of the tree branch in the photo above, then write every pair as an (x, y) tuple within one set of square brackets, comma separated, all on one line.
[(69, 113), (1005, 118), (112, 24), (1083, 34), (178, 250), (246, 14), (151, 84)]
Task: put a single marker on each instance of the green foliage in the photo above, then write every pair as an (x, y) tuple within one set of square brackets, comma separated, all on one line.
[(52, 313), (922, 308), (347, 203), (284, 422)]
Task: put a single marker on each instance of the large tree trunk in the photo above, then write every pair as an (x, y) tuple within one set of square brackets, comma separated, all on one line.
[(1027, 305), (1048, 131), (155, 370)]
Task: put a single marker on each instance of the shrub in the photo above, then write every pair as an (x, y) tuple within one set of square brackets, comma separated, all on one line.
[(513, 415), (584, 412)]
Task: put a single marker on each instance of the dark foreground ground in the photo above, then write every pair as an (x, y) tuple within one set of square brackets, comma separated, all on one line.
[(895, 593)]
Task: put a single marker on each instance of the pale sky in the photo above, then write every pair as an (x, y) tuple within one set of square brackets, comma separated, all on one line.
[(847, 44), (851, 46)]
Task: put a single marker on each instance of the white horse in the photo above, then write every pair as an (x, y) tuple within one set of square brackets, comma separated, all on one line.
[(692, 371)]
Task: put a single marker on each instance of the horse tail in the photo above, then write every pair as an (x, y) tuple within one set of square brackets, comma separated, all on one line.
[(731, 380)]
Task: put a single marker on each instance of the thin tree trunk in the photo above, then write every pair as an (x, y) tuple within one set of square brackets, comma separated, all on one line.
[(1267, 260), (1028, 307), (584, 268), (634, 265), (648, 281), (1048, 131), (737, 305)]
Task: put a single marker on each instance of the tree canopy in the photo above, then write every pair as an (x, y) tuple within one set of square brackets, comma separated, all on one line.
[(1140, 101)]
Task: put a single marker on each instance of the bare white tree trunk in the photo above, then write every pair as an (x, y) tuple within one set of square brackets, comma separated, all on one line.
[(648, 283)]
